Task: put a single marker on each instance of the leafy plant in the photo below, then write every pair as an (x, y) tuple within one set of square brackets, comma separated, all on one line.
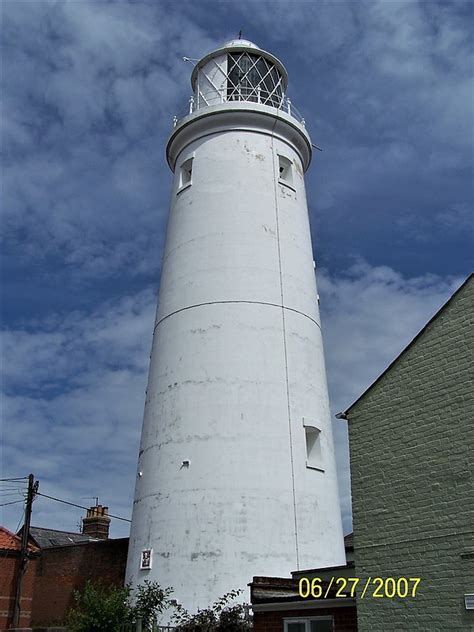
[(220, 617), (150, 601), (99, 608)]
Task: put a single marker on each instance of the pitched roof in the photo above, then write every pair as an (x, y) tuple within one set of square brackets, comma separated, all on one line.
[(47, 538), (465, 283), (11, 542)]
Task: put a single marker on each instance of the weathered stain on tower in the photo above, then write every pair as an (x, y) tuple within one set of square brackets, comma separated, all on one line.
[(236, 471)]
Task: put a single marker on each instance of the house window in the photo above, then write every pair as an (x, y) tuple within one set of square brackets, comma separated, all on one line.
[(285, 171), (314, 457), (312, 624), (185, 174)]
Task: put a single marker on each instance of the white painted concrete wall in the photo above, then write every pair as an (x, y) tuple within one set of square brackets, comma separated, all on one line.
[(233, 375)]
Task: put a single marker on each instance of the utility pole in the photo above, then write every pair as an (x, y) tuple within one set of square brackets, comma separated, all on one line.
[(32, 489)]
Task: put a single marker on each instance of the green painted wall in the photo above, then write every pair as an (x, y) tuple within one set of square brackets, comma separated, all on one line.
[(412, 449)]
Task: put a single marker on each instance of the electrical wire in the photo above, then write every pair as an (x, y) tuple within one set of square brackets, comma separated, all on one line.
[(13, 502), (66, 502), (19, 478)]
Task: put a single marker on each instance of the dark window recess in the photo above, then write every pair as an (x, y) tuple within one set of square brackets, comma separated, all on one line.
[(313, 447), (285, 167), (186, 172)]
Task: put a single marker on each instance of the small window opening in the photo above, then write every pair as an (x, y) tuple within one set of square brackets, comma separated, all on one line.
[(185, 174), (285, 167), (313, 624), (313, 447)]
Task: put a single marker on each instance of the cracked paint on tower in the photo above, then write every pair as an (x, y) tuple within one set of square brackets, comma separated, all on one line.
[(236, 471)]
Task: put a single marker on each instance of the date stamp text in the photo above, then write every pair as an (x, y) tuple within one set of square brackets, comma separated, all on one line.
[(375, 587)]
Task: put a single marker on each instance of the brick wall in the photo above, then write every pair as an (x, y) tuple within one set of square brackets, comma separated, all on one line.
[(345, 619), (62, 570), (8, 574), (411, 441)]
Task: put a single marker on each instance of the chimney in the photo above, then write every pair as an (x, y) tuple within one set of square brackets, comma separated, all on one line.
[(97, 522)]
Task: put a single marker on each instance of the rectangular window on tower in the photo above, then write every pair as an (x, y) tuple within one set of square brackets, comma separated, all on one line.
[(314, 456), (185, 174), (285, 171)]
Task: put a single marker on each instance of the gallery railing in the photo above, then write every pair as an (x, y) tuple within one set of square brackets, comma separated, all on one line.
[(249, 95)]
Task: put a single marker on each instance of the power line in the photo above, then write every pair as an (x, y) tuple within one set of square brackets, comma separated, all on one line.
[(19, 478), (66, 502), (13, 502)]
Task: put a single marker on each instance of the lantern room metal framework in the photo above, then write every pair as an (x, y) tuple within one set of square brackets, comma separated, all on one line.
[(238, 73)]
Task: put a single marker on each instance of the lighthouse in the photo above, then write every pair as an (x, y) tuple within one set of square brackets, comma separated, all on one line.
[(236, 471)]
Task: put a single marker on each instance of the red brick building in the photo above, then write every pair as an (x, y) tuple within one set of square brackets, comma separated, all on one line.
[(60, 562), (10, 550), (61, 570)]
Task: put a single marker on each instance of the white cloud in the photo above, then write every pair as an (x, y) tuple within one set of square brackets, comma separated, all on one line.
[(369, 315), (72, 405), (75, 383), (93, 88)]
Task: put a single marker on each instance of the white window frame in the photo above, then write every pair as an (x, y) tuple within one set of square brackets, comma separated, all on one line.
[(306, 621), (316, 460), (285, 177), (185, 174)]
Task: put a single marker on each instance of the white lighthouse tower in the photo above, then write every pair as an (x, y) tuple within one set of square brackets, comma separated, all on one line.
[(236, 471)]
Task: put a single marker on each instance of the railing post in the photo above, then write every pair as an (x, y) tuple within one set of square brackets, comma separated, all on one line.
[(258, 94), (288, 104), (175, 120), (303, 122), (191, 106)]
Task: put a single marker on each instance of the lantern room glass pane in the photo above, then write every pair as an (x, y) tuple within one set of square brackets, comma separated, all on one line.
[(253, 78)]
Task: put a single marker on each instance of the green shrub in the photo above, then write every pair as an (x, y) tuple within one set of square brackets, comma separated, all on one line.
[(99, 608), (150, 601), (220, 617)]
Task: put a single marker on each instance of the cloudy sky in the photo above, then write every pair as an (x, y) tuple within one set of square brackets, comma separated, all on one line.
[(90, 90)]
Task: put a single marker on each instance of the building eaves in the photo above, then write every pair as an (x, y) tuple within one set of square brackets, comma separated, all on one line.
[(349, 541)]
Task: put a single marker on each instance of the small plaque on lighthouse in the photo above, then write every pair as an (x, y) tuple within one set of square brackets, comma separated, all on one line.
[(146, 559)]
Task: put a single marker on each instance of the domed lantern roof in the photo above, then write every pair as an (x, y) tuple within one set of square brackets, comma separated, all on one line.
[(239, 71), (240, 42)]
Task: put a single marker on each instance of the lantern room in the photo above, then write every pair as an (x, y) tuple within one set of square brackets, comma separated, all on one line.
[(239, 71)]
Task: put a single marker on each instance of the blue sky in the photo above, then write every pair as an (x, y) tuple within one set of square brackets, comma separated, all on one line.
[(90, 91)]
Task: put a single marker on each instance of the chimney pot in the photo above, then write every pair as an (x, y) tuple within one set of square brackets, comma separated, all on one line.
[(97, 522)]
